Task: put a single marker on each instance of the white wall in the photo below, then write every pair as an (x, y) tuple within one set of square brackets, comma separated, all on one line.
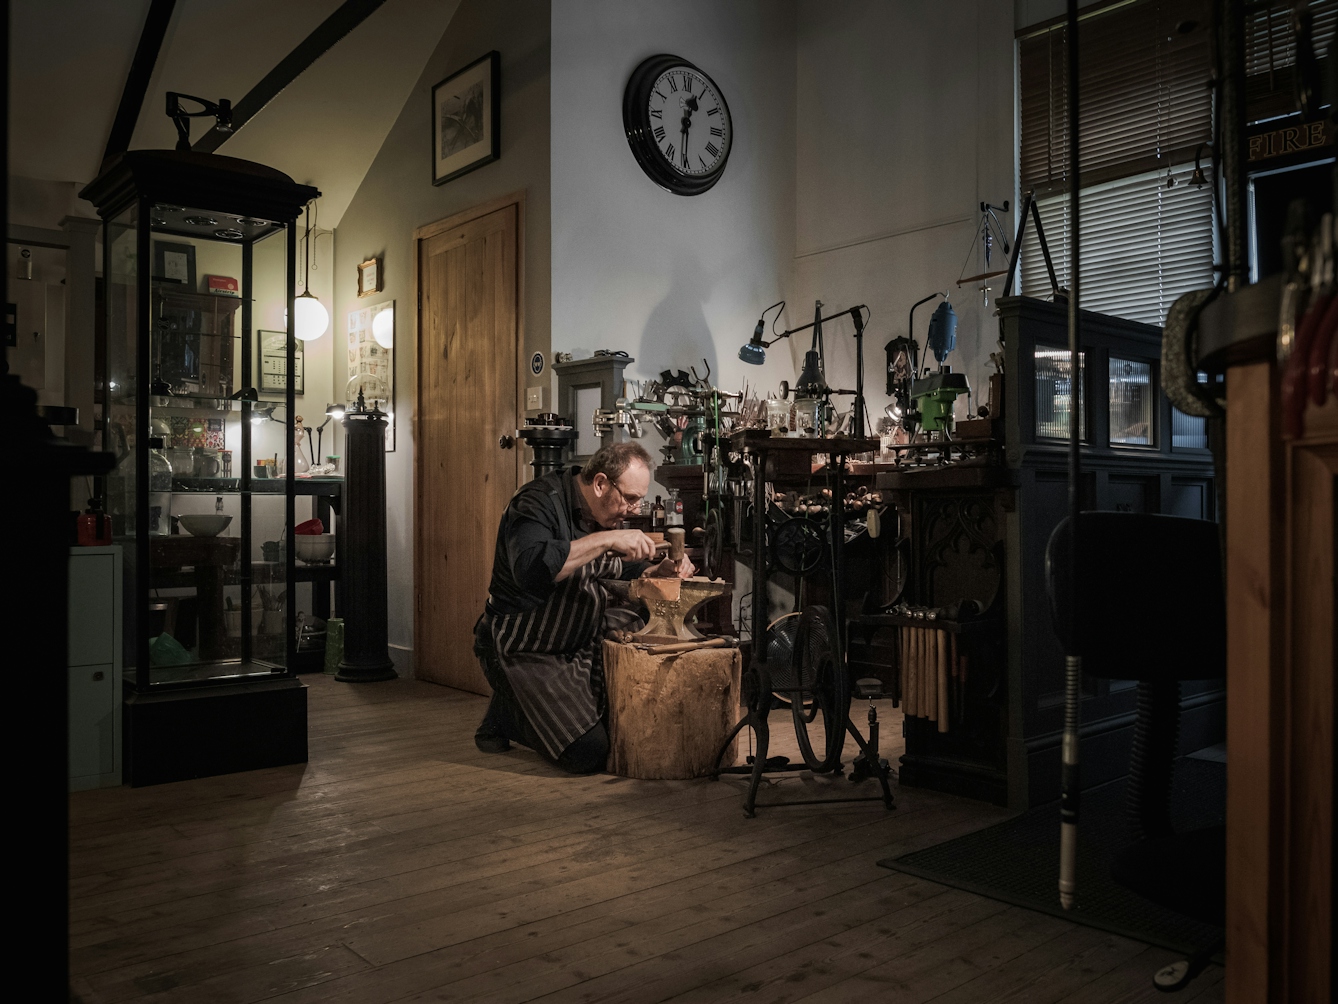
[(671, 280), (904, 125), (397, 196)]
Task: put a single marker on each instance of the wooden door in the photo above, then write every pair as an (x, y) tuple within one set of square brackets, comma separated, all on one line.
[(468, 372)]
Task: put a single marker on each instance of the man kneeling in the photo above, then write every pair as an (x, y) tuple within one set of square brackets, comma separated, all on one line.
[(541, 635)]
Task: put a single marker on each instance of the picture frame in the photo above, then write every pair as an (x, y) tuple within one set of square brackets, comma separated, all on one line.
[(371, 361), (467, 119), (174, 263), (272, 365), (369, 277)]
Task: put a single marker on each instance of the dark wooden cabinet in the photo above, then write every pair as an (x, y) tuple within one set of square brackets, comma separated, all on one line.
[(980, 533)]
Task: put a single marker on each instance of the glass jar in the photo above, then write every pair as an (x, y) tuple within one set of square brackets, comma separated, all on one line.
[(778, 416), (806, 417), (160, 489)]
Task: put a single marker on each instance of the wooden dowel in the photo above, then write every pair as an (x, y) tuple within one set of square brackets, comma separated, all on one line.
[(902, 657), (931, 672), (942, 681), (910, 670)]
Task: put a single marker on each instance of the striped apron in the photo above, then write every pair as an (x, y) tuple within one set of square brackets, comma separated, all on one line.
[(553, 656)]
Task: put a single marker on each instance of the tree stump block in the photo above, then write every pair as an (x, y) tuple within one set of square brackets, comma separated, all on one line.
[(669, 714)]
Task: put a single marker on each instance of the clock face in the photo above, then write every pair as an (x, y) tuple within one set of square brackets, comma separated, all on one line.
[(691, 125), (678, 124)]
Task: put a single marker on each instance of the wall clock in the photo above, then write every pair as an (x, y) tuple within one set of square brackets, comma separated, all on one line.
[(677, 124)]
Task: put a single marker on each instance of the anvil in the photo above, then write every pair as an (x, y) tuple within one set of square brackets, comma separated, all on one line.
[(671, 603)]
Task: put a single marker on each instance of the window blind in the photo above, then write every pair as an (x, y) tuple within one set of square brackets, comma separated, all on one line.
[(1270, 54), (1143, 76), (1143, 244)]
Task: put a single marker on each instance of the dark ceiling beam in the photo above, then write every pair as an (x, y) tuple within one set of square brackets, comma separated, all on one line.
[(349, 15), (137, 80)]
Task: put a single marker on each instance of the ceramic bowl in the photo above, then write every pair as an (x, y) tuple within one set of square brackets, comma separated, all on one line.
[(204, 524), (314, 548)]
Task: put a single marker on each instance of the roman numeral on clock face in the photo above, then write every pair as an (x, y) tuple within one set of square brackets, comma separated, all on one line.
[(672, 86), (713, 111), (656, 113), (716, 131), (670, 152), (659, 132), (712, 150)]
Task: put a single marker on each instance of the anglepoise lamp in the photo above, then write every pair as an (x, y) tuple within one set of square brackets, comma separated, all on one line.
[(332, 411), (812, 380)]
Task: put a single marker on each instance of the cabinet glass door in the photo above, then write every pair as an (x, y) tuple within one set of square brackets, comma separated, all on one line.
[(217, 604)]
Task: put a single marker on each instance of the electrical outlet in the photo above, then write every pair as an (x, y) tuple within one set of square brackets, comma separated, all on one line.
[(535, 398)]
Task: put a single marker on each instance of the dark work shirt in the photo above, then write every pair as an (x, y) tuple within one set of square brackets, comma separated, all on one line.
[(534, 539)]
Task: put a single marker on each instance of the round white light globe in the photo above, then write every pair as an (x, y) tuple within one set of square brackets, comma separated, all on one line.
[(383, 327), (312, 318)]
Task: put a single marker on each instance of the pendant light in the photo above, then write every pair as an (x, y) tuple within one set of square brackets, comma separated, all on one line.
[(310, 316)]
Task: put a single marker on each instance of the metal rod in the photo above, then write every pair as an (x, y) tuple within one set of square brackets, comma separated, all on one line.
[(1069, 782), (1231, 39)]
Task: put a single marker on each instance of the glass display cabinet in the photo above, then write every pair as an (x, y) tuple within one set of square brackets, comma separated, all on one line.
[(198, 260)]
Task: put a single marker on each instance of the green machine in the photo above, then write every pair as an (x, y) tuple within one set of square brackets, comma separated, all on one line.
[(933, 398)]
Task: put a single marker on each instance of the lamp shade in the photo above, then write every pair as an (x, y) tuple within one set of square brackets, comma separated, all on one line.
[(383, 327), (311, 318), (755, 350)]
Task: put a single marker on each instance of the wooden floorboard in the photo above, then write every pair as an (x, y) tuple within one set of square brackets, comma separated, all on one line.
[(401, 864)]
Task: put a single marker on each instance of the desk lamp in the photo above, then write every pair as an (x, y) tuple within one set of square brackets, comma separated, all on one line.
[(332, 411), (812, 381)]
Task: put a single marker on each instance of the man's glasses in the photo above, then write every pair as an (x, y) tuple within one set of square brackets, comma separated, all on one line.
[(629, 501)]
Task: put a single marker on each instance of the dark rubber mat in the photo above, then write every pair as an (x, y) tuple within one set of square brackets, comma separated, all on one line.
[(1017, 861)]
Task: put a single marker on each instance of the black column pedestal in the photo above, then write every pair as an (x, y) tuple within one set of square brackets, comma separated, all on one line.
[(363, 549)]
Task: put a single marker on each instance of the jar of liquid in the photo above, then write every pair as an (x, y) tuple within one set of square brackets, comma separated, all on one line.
[(673, 509), (657, 515)]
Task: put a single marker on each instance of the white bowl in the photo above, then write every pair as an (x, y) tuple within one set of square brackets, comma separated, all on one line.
[(315, 549), (204, 524)]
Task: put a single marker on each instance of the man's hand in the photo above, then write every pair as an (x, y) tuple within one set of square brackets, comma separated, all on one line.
[(668, 569), (631, 544)]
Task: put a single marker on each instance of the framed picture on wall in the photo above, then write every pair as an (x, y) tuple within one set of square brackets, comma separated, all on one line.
[(467, 119), (369, 277), (174, 263)]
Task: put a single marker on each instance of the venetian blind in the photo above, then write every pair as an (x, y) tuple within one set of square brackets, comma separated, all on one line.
[(1143, 75), (1143, 244), (1146, 106), (1270, 53)]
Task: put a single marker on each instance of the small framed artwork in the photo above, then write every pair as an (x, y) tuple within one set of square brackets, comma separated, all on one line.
[(369, 277), (174, 263), (272, 353), (467, 119)]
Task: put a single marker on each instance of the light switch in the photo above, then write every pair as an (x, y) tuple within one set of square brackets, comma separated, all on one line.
[(535, 398)]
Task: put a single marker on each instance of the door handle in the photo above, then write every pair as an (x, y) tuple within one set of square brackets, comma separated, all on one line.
[(506, 442)]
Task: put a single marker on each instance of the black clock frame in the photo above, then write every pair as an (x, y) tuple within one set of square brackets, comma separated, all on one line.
[(636, 122)]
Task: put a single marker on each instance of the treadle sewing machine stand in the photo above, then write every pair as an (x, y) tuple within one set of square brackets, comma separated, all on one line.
[(758, 676)]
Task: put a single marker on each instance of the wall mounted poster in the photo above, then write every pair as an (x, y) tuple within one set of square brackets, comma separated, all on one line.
[(371, 361), (273, 346)]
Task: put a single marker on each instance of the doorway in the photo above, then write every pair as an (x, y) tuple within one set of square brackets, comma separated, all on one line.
[(469, 332)]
